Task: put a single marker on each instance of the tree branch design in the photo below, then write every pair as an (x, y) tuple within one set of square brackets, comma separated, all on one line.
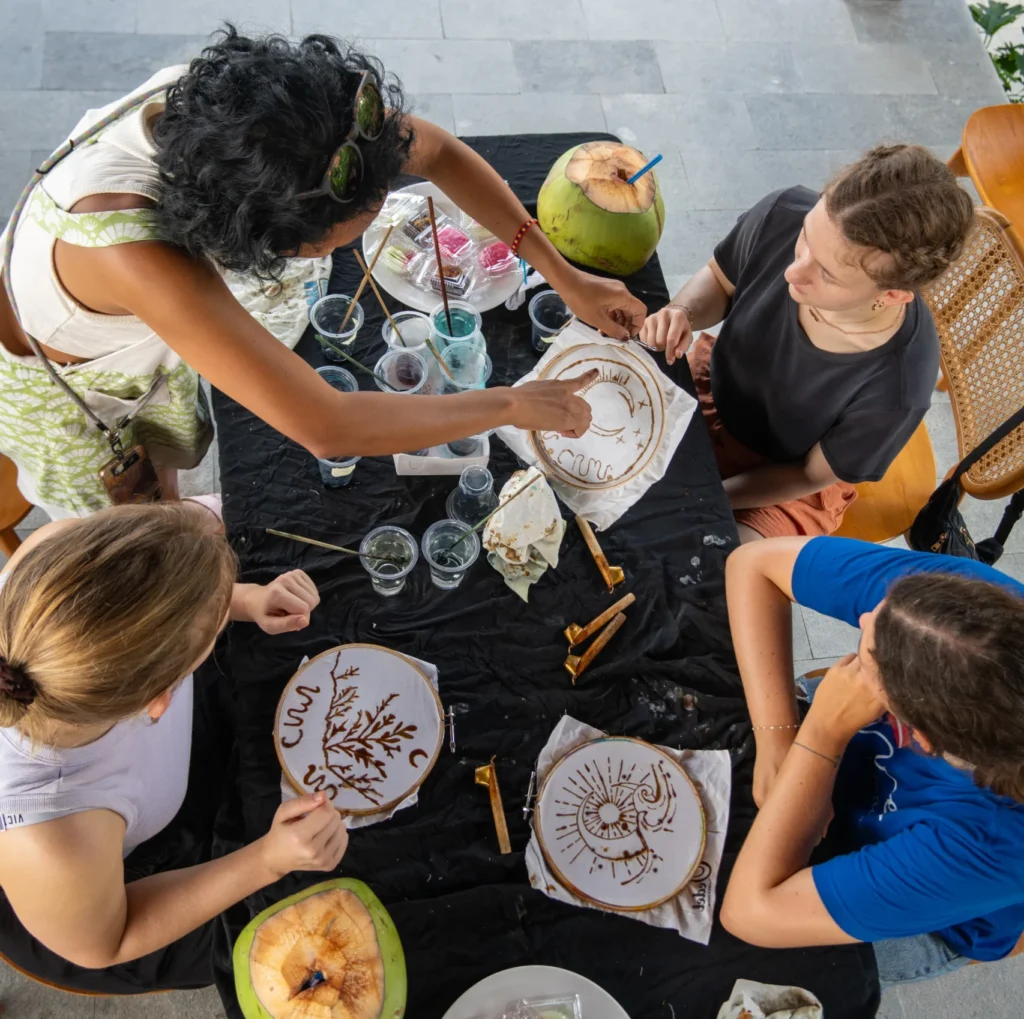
[(357, 743)]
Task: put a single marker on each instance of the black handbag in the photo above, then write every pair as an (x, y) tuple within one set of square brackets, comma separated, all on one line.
[(939, 527)]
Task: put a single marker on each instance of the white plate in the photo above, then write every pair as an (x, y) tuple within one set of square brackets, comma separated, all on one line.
[(488, 997), (620, 824), (628, 408), (485, 294), (360, 722)]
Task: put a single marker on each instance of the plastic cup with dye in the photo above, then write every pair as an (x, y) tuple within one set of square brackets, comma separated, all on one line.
[(414, 329), (467, 325), (327, 315), (474, 497), (449, 562), (473, 446), (548, 313), (468, 367), (337, 472), (404, 371), (388, 576)]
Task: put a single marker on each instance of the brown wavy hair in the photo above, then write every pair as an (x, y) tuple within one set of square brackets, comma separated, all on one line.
[(109, 613), (950, 653), (905, 202)]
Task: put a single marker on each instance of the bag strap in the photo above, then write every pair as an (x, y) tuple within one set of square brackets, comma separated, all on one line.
[(986, 445), (112, 434)]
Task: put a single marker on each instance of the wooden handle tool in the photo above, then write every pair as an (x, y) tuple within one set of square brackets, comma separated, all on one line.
[(488, 776), (577, 664), (612, 574), (578, 634)]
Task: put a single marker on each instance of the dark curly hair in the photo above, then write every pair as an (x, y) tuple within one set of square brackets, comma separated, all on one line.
[(253, 124), (950, 655), (902, 200)]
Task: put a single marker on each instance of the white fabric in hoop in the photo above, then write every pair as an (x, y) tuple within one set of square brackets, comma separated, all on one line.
[(639, 418)]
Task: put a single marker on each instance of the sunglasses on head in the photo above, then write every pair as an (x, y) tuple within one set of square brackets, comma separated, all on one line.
[(345, 170)]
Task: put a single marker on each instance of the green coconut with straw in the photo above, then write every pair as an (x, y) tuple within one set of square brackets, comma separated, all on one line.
[(594, 215)]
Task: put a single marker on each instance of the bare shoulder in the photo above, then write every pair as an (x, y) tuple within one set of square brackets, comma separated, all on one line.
[(65, 880)]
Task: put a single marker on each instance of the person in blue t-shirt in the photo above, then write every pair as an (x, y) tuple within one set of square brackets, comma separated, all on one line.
[(917, 741)]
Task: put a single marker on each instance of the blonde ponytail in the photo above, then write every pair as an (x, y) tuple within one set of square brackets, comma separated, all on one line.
[(107, 614)]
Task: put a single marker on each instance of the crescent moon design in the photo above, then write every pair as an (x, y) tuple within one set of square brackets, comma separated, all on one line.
[(412, 757)]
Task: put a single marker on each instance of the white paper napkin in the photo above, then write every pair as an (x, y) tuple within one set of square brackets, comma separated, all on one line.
[(603, 508), (365, 820), (691, 911)]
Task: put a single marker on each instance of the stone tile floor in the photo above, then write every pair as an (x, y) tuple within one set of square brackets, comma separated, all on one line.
[(741, 97)]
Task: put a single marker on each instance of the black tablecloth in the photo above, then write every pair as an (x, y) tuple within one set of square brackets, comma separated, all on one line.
[(464, 911)]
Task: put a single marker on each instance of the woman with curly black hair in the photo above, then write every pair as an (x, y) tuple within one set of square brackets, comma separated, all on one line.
[(134, 261)]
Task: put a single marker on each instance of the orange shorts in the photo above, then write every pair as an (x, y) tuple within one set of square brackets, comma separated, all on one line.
[(820, 513)]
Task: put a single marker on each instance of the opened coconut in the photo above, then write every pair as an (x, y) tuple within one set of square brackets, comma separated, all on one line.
[(593, 216), (330, 952)]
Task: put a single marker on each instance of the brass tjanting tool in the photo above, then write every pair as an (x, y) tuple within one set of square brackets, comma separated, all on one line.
[(577, 664), (488, 776), (612, 574), (576, 634)]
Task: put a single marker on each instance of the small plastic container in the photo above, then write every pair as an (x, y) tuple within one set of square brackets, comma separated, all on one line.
[(496, 260), (468, 367), (400, 260), (398, 208), (326, 317), (457, 280), (336, 472), (452, 241), (548, 314), (389, 577), (467, 325), (417, 228), (449, 551)]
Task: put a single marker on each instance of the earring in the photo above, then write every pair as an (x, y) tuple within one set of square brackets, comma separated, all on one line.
[(151, 721), (878, 306)]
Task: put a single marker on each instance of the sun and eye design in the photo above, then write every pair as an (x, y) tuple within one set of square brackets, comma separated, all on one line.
[(607, 811)]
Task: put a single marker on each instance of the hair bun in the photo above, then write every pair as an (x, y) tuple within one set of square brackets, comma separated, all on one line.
[(15, 684)]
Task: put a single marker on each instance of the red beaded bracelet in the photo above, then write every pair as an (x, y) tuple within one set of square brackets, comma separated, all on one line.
[(520, 235)]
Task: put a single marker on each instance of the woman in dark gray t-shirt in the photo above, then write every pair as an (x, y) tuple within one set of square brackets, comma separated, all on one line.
[(827, 354)]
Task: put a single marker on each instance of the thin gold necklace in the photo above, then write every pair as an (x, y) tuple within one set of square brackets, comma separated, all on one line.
[(818, 317)]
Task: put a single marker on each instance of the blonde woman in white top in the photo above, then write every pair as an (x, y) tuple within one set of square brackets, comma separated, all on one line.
[(258, 151), (102, 622)]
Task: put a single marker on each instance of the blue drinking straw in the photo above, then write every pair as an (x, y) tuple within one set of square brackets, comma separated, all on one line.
[(643, 169)]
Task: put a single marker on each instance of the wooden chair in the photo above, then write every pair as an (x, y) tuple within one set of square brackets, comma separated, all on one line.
[(978, 307), (885, 509), (991, 153), (13, 506)]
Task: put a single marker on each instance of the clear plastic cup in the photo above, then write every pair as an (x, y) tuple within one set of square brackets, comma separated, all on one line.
[(468, 367), (397, 543), (327, 315), (449, 562), (337, 472), (548, 313), (474, 497), (467, 325), (413, 327), (404, 371), (472, 446)]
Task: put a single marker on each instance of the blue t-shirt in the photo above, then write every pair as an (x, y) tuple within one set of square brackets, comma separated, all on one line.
[(938, 854)]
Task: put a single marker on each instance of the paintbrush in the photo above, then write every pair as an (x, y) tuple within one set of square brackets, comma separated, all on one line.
[(497, 509), (362, 285), (333, 548), (359, 364), (440, 267)]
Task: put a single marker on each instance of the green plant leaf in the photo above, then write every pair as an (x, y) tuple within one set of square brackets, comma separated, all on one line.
[(991, 17)]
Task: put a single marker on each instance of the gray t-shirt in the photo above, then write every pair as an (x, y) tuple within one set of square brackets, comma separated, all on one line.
[(779, 394)]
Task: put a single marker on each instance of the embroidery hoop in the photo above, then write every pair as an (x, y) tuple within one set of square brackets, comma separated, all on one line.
[(550, 858), (575, 360), (426, 767)]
